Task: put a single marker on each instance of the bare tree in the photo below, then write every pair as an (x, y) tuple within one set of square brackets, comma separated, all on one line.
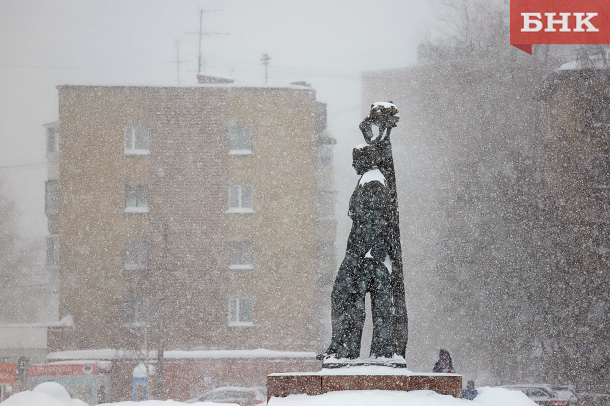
[(480, 30), (20, 284), (593, 56)]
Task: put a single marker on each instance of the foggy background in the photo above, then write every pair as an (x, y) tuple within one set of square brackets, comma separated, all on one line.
[(48, 43), (467, 189)]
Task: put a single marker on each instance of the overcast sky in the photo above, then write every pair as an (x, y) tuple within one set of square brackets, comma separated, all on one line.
[(44, 43)]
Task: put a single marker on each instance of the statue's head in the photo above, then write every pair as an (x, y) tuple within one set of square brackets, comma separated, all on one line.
[(384, 114), (364, 158)]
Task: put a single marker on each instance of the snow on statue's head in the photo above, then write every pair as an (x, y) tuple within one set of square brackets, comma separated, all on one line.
[(384, 114), (364, 158)]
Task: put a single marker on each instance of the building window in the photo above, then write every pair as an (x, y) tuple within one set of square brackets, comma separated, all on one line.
[(325, 155), (52, 197), (136, 198), (52, 140), (326, 204), (136, 139), (134, 311), (136, 254), (239, 139), (240, 255), (240, 312), (53, 251), (240, 198)]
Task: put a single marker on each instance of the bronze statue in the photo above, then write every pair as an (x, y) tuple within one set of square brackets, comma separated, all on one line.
[(373, 258)]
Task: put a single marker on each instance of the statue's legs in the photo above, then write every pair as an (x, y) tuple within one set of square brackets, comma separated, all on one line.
[(347, 309), (380, 289)]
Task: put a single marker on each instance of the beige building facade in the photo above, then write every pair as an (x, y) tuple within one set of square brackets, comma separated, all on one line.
[(197, 217), (576, 174)]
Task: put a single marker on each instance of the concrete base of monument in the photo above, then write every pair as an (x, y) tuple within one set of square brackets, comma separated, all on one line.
[(394, 362), (361, 378)]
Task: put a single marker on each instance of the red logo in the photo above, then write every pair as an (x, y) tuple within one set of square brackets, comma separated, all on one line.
[(559, 22)]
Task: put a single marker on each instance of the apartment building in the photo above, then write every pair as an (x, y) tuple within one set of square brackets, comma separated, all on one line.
[(576, 175), (192, 217)]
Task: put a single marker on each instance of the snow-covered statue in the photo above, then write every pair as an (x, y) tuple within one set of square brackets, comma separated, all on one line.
[(373, 258)]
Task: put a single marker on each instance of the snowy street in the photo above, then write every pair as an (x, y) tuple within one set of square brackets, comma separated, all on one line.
[(53, 396)]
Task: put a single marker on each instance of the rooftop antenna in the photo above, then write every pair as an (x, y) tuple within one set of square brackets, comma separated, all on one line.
[(265, 59), (178, 60), (201, 33)]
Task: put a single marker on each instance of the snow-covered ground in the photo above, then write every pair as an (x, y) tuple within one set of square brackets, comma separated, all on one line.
[(53, 394)]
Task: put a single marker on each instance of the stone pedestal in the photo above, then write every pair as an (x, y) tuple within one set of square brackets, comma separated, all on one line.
[(361, 378)]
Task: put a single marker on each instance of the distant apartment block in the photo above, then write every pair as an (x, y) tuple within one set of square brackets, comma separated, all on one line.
[(201, 215)]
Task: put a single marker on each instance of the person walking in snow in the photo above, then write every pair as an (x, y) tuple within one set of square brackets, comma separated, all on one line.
[(470, 392), (444, 363)]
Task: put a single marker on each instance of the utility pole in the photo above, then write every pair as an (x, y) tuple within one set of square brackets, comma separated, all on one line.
[(265, 59), (201, 33)]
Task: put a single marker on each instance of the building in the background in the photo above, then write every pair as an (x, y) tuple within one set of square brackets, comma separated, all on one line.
[(24, 344), (191, 217), (30, 292), (576, 175), (52, 210), (505, 214), (467, 153), (30, 341)]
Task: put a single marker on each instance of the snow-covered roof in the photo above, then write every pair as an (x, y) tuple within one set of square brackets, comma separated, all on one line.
[(64, 322), (110, 354), (101, 354), (197, 86)]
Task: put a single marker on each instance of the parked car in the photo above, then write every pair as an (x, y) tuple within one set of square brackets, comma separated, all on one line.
[(234, 394), (541, 394), (593, 399), (565, 392)]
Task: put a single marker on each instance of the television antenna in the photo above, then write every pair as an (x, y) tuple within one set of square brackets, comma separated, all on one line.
[(201, 33), (265, 60)]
